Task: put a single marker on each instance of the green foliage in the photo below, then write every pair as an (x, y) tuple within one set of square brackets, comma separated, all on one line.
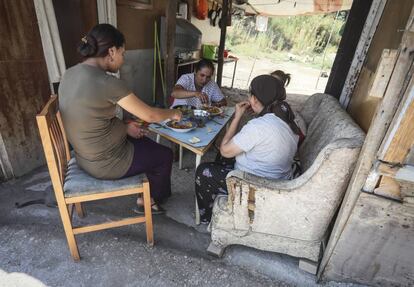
[(305, 36)]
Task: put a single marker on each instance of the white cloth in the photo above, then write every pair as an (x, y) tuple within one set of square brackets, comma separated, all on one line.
[(187, 82), (269, 146)]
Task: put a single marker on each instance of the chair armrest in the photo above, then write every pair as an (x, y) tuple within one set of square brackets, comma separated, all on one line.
[(308, 202)]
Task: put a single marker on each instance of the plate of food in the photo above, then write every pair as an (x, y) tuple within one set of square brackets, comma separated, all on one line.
[(185, 109), (182, 126), (213, 111)]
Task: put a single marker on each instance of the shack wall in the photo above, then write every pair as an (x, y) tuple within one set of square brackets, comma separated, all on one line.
[(24, 87), (387, 36)]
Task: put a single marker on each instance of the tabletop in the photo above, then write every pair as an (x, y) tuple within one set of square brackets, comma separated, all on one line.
[(206, 134)]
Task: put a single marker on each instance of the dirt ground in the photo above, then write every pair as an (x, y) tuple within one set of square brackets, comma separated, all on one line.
[(304, 79)]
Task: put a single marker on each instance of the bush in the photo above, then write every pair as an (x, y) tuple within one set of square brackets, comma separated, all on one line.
[(307, 36)]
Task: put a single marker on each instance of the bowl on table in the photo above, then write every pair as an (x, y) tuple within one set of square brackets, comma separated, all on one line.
[(200, 117)]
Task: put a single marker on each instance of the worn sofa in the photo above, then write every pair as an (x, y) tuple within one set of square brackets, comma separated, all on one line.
[(292, 216)]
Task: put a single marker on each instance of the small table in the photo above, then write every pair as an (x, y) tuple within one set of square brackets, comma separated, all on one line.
[(206, 134)]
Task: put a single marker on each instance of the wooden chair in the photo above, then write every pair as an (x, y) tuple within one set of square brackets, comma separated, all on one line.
[(72, 186)]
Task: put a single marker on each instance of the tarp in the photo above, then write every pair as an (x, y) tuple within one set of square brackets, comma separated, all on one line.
[(292, 7)]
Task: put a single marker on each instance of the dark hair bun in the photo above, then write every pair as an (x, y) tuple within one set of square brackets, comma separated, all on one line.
[(88, 46), (282, 76), (99, 40)]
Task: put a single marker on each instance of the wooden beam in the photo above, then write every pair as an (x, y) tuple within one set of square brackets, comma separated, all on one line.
[(347, 47), (170, 14), (223, 30), (374, 16)]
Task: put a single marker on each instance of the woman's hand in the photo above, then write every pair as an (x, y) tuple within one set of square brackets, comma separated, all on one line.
[(176, 115), (136, 131), (202, 96), (241, 108)]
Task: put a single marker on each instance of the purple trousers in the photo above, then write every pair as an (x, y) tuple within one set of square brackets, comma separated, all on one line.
[(155, 161)]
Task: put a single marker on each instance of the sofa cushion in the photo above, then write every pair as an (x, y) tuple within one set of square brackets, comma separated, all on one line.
[(330, 124), (300, 122), (78, 182)]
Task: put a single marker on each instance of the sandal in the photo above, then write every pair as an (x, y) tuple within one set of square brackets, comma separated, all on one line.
[(155, 209)]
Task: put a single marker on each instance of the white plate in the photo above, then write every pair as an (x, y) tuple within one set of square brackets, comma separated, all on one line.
[(193, 126)]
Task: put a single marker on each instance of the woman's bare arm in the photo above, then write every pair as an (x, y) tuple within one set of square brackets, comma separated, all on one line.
[(179, 92), (138, 108), (228, 148)]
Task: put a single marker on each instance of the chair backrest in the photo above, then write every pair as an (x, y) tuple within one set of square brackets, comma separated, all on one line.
[(55, 144), (327, 123)]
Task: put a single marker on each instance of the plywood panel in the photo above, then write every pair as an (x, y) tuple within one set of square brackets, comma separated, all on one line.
[(362, 108), (23, 83), (376, 245), (387, 36), (138, 24), (75, 18), (16, 16)]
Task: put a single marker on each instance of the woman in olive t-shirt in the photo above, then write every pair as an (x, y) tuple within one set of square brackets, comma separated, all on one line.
[(104, 145)]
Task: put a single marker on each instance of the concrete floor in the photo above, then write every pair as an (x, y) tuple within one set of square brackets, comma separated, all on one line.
[(34, 252), (33, 243)]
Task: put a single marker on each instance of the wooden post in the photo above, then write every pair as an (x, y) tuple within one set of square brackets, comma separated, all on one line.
[(170, 14), (360, 54), (222, 41), (347, 47)]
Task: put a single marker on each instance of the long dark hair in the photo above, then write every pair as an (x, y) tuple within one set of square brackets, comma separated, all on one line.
[(272, 94), (99, 39)]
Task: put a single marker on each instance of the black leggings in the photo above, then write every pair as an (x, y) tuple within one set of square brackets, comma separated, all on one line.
[(210, 181)]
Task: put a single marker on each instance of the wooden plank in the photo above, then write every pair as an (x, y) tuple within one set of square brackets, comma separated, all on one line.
[(403, 136), (404, 149), (382, 119), (387, 169), (383, 74), (98, 196), (106, 225), (389, 188)]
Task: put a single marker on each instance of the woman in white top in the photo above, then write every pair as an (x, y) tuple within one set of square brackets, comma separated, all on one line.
[(265, 146), (196, 89)]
